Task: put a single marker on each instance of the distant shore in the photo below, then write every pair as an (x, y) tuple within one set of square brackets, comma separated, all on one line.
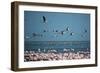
[(53, 55)]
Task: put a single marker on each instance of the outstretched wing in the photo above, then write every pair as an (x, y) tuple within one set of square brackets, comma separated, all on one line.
[(44, 19)]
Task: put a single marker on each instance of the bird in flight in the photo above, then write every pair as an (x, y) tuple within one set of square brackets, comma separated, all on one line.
[(37, 35), (72, 33), (44, 30), (85, 30), (67, 29), (44, 19)]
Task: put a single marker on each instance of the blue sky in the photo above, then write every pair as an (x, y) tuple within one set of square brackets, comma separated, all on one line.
[(77, 23)]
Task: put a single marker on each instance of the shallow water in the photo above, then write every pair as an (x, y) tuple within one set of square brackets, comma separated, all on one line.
[(56, 45)]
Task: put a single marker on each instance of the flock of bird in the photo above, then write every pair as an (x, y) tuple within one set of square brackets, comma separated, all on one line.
[(62, 32)]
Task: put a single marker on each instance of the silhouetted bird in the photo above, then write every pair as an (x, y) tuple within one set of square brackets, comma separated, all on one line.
[(71, 33), (44, 30), (67, 29), (62, 32), (44, 19), (56, 30), (35, 34), (85, 30)]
